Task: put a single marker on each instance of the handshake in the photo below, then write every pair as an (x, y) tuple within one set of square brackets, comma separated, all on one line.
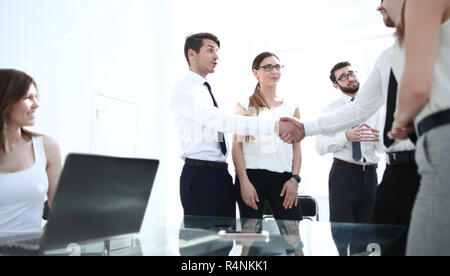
[(292, 131)]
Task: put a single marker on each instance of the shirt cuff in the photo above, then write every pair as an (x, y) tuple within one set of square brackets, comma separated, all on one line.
[(312, 128)]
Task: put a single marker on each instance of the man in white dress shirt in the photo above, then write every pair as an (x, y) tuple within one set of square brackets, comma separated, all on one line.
[(353, 177), (397, 192), (206, 187)]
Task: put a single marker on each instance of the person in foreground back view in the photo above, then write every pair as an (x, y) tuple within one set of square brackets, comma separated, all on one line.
[(30, 163), (421, 61)]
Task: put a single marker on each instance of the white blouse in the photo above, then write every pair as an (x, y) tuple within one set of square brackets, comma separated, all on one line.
[(440, 92), (22, 195), (269, 152)]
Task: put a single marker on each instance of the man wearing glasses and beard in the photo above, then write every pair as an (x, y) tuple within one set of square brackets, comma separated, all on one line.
[(353, 177)]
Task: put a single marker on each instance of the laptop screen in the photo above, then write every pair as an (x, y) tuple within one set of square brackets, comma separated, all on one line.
[(98, 198)]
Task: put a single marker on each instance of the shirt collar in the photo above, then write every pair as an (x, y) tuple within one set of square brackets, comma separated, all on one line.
[(196, 78), (346, 98)]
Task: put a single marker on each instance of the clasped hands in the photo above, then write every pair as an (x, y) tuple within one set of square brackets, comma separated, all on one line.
[(363, 133)]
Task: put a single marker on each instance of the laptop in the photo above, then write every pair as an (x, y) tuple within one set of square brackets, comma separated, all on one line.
[(98, 198)]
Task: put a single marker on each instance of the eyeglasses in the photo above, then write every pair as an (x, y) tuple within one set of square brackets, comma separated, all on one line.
[(345, 77), (270, 67)]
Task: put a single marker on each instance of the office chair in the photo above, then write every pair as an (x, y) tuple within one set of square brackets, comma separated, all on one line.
[(46, 211), (308, 205)]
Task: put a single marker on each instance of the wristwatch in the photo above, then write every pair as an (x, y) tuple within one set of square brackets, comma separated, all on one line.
[(297, 177)]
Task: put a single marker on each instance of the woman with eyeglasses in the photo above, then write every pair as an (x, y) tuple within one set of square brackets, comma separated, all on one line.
[(267, 168), (421, 60), (30, 163)]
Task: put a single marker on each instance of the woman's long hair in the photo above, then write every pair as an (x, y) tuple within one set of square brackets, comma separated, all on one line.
[(257, 100), (14, 85)]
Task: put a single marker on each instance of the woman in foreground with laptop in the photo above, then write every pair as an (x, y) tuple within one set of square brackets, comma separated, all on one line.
[(30, 163)]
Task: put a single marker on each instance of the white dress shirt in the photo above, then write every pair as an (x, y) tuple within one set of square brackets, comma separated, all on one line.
[(338, 144), (198, 121), (372, 97)]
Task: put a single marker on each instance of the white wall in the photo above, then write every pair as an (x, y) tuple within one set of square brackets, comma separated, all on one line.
[(79, 49), (132, 51)]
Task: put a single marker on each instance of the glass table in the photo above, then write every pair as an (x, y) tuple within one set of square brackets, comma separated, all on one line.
[(211, 236), (206, 236)]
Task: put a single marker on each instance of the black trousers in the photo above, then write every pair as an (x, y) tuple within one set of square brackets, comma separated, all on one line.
[(395, 200), (352, 194), (268, 185), (207, 191), (349, 241)]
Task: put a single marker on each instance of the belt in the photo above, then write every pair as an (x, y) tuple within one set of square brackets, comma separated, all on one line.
[(211, 164), (368, 167), (401, 157), (433, 121)]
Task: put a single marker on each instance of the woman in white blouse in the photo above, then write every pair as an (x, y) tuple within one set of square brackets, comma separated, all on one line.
[(421, 59), (30, 164), (267, 168)]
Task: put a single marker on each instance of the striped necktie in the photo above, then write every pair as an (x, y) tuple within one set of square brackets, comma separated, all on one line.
[(356, 146)]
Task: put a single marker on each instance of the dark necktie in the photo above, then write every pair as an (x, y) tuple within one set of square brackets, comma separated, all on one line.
[(221, 136), (391, 106), (356, 146)]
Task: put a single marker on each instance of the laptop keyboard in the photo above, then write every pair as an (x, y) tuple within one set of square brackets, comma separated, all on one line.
[(29, 242), (30, 245)]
